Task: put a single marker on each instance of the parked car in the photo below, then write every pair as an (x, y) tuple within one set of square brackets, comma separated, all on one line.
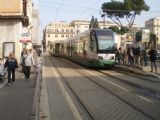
[(2, 73)]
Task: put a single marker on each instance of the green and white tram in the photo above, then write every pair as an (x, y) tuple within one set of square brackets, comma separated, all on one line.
[(93, 48)]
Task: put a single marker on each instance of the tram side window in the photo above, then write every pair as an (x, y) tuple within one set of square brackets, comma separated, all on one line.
[(51, 46), (93, 45)]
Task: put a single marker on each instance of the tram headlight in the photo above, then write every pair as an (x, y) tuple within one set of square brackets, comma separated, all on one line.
[(112, 58), (100, 57)]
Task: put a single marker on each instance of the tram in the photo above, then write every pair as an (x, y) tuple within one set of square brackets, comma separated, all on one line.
[(93, 48)]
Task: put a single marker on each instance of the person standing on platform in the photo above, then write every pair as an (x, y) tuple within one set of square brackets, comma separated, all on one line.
[(153, 57), (28, 61), (11, 64)]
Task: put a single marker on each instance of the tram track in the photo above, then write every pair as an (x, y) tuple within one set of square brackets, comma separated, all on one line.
[(154, 93), (103, 87), (74, 93)]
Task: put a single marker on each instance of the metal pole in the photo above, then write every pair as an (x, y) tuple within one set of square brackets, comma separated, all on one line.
[(145, 54), (104, 21)]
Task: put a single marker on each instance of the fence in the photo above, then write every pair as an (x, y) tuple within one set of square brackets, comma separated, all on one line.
[(37, 85)]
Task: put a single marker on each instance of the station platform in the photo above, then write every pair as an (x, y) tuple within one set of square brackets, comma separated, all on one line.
[(16, 100), (141, 69)]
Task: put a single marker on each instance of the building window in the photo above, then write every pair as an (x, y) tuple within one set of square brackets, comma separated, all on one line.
[(71, 35), (62, 36), (56, 30), (62, 30), (56, 36), (86, 26), (71, 31), (7, 48), (67, 31), (48, 35), (67, 36)]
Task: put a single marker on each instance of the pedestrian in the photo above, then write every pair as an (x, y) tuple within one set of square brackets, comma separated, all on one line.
[(130, 55), (153, 57), (27, 61), (125, 56), (136, 53), (22, 54), (39, 52), (11, 64)]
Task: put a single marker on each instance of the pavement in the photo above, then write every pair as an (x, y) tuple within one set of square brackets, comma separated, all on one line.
[(141, 69), (16, 100)]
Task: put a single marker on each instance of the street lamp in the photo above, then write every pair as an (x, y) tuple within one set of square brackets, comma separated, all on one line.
[(103, 15)]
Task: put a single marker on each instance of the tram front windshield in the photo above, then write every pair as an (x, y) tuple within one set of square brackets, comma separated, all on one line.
[(105, 42)]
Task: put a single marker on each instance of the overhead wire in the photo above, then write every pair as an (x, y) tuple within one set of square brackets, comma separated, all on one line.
[(89, 8), (58, 10)]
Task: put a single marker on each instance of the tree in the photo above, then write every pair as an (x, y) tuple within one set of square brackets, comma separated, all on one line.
[(138, 36), (91, 23), (114, 29), (94, 23), (153, 38), (128, 9)]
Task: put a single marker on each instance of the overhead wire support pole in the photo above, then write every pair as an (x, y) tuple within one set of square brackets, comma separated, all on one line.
[(103, 15)]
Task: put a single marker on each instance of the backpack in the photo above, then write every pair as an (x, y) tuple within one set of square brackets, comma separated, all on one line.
[(12, 64)]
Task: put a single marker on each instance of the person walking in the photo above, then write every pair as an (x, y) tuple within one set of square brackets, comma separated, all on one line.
[(153, 57), (27, 61), (11, 64)]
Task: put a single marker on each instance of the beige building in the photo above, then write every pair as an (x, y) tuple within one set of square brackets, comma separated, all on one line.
[(154, 26), (15, 20), (35, 28), (58, 31)]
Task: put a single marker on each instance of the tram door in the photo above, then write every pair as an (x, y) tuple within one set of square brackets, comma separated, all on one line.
[(57, 49)]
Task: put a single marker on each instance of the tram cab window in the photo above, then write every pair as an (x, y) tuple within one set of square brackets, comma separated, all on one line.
[(93, 45)]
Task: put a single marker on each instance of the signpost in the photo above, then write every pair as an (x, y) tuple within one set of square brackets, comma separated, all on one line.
[(25, 36), (145, 39)]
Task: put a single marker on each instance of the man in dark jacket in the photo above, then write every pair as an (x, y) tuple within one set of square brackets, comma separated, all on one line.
[(153, 58), (11, 64)]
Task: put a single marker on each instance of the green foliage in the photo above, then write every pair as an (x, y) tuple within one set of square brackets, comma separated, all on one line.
[(123, 30), (153, 37), (128, 9), (114, 29), (94, 23), (138, 36)]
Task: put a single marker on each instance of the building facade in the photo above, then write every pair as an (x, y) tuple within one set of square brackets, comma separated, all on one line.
[(58, 31), (35, 28), (154, 26), (13, 19)]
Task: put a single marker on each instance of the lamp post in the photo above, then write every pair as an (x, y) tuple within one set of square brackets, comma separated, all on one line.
[(103, 15)]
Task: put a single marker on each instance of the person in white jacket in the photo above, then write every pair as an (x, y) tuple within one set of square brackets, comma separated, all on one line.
[(27, 61)]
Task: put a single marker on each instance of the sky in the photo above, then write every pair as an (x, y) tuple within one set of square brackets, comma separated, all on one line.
[(68, 10)]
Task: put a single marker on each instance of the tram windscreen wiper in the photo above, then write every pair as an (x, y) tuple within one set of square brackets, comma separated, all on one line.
[(110, 50)]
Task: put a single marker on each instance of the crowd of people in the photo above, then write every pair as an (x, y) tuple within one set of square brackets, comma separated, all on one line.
[(27, 60), (134, 56)]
